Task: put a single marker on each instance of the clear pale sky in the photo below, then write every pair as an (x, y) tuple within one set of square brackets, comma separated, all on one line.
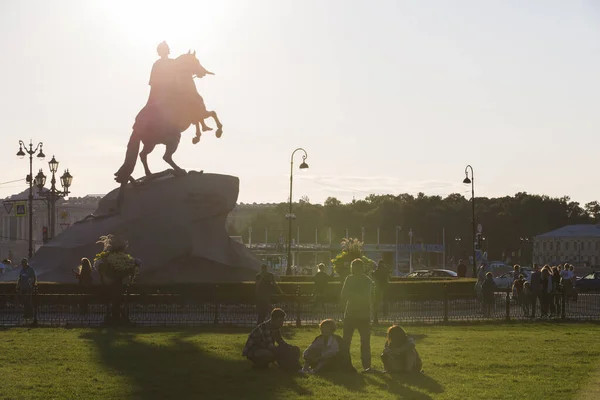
[(386, 96)]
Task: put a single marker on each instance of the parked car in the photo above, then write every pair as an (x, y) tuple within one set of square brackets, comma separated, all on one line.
[(432, 273), (589, 283), (505, 281)]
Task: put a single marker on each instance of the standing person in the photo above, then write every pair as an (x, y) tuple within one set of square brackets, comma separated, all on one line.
[(356, 295), (381, 277), (516, 272), (461, 269), (265, 288), (488, 288), (25, 286), (536, 289), (546, 289), (84, 276), (321, 280), (517, 289)]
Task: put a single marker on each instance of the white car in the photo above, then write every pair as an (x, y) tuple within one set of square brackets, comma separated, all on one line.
[(505, 281)]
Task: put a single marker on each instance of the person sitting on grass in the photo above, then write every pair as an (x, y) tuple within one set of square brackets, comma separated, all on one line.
[(400, 354), (328, 352), (265, 345)]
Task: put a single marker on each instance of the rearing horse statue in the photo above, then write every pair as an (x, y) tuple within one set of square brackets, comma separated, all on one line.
[(163, 123)]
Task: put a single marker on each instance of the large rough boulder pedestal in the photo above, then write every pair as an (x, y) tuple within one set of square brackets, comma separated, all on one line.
[(175, 225)]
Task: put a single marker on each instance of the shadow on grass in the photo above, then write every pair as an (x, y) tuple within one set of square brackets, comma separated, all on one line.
[(177, 368), (397, 384)]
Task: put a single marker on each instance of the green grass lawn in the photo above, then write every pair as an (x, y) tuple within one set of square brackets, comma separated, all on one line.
[(520, 361)]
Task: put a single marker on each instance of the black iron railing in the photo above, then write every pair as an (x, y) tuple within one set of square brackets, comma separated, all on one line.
[(210, 308)]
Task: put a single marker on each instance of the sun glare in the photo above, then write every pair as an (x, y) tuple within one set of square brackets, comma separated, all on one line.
[(146, 23)]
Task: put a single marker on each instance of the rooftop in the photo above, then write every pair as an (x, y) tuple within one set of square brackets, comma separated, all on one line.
[(581, 230)]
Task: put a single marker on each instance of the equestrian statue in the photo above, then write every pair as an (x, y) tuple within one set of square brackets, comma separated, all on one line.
[(173, 105)]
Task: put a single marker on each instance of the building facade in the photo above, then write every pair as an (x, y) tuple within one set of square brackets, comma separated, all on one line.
[(575, 244), (14, 225)]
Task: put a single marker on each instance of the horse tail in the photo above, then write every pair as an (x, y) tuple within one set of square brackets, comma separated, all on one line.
[(133, 147)]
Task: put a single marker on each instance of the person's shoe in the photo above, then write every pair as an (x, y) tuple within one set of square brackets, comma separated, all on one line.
[(368, 370)]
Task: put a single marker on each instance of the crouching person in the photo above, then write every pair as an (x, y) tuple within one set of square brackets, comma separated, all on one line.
[(400, 354), (265, 345), (328, 352)]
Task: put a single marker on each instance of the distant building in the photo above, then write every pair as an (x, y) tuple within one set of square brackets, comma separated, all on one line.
[(576, 244), (14, 229)]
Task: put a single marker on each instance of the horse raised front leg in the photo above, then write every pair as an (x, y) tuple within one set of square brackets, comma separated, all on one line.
[(196, 139), (214, 116)]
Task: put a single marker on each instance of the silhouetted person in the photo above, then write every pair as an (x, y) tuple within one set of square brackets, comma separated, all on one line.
[(321, 280), (266, 345), (25, 287), (265, 288), (356, 296), (536, 289), (381, 276), (84, 276), (162, 77)]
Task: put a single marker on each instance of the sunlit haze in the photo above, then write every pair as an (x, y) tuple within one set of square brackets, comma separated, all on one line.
[(385, 96)]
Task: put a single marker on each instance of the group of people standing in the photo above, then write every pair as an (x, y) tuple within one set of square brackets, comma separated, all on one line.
[(329, 351), (547, 286)]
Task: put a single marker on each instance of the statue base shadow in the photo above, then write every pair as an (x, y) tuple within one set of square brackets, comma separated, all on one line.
[(175, 224)]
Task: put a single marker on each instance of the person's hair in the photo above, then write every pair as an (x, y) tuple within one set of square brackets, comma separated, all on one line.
[(571, 267), (358, 265), (264, 266), (395, 335), (521, 276), (328, 322), (489, 275), (517, 267), (278, 313), (321, 267)]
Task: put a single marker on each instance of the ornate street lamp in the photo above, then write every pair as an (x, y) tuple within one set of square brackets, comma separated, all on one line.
[(53, 194), (471, 181), (21, 154), (290, 216)]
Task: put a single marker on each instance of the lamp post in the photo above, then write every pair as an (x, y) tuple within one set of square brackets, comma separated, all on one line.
[(410, 235), (524, 241), (472, 182), (290, 216), (30, 151), (398, 228), (53, 194)]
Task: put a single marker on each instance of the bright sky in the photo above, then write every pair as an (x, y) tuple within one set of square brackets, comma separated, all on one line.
[(386, 96)]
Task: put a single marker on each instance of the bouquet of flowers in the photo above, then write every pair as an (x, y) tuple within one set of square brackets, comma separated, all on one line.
[(113, 262)]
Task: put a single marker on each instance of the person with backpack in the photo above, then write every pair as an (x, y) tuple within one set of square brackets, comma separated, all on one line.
[(25, 287)]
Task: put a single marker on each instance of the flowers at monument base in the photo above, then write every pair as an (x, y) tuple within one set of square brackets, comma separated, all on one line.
[(116, 263)]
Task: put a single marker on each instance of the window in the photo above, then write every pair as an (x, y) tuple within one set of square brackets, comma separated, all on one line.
[(581, 246), (597, 245), (566, 245), (589, 245), (551, 245), (557, 246), (543, 245)]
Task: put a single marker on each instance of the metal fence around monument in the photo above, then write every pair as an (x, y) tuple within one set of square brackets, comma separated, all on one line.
[(157, 310)]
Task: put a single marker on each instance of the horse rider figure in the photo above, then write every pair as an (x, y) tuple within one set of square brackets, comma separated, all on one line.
[(163, 82)]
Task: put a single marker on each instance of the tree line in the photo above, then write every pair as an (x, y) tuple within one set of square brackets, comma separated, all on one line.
[(509, 223)]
